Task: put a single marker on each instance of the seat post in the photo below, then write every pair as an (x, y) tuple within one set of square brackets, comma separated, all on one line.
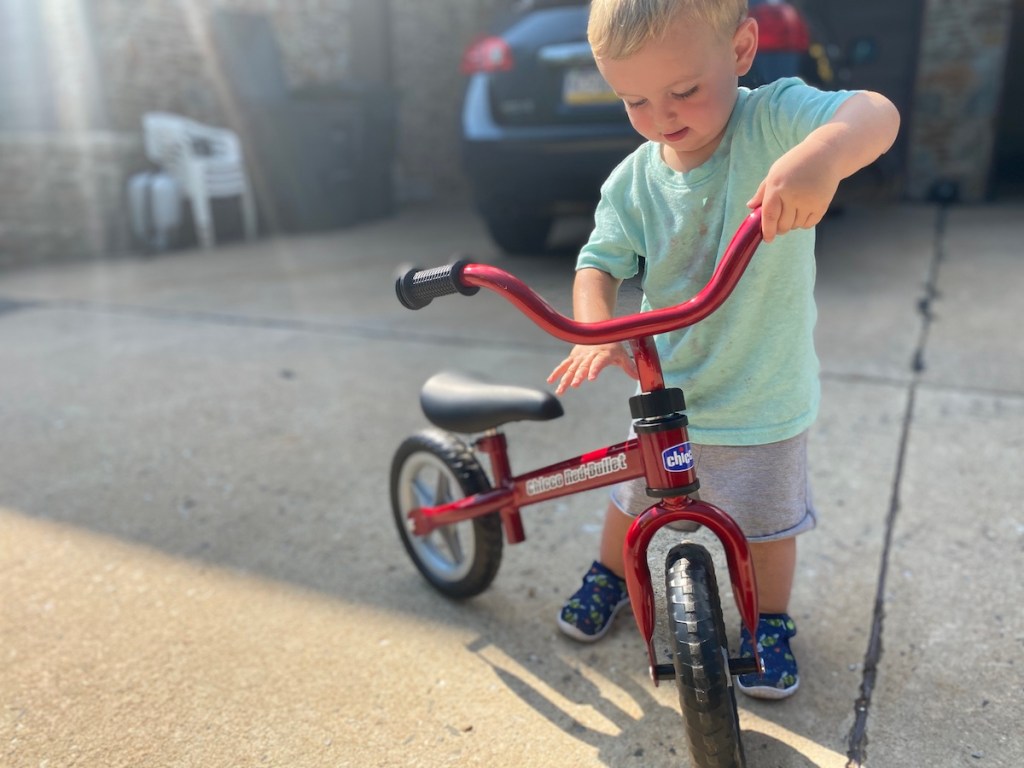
[(495, 445)]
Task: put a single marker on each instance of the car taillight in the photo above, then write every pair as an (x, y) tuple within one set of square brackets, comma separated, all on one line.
[(488, 54), (780, 27)]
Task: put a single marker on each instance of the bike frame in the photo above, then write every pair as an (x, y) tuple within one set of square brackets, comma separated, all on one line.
[(657, 454)]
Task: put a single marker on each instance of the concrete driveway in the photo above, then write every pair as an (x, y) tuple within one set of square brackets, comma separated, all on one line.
[(198, 565)]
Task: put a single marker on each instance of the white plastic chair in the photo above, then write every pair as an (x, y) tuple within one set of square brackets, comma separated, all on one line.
[(206, 162)]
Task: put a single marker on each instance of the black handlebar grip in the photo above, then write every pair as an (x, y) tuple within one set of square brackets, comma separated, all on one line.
[(418, 287)]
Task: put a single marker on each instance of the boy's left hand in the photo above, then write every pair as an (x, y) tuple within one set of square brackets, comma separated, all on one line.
[(796, 192)]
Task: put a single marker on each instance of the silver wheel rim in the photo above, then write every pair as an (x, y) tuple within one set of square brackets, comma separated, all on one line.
[(447, 552)]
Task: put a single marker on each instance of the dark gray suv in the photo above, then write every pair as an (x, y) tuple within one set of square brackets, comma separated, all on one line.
[(540, 129)]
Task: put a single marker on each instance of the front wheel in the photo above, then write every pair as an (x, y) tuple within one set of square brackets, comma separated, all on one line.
[(701, 658), (432, 468)]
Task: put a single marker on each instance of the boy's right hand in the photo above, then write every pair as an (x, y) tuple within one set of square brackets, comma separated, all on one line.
[(585, 362)]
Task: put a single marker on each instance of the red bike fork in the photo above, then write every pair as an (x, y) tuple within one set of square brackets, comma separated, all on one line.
[(638, 574), (664, 441)]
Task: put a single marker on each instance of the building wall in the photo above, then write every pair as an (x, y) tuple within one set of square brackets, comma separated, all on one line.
[(157, 55), (106, 66), (109, 64), (429, 40), (956, 98), (108, 61), (62, 196)]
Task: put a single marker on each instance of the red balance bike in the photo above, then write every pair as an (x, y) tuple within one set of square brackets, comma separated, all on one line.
[(453, 518)]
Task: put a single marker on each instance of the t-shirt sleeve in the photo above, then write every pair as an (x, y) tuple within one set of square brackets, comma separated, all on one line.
[(616, 241), (792, 109)]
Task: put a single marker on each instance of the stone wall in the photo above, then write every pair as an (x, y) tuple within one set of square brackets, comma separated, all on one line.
[(956, 98), (158, 55), (430, 38), (63, 195), (120, 58)]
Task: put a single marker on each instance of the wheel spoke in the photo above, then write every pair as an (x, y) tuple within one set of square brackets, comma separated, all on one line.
[(423, 493), (450, 535), (443, 490)]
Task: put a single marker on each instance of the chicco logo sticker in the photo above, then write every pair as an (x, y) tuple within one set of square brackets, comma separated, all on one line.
[(678, 458)]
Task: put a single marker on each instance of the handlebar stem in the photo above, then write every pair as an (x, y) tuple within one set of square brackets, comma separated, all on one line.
[(648, 364)]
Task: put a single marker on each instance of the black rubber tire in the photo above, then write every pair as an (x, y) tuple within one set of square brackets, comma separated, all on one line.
[(433, 467), (519, 235), (701, 658)]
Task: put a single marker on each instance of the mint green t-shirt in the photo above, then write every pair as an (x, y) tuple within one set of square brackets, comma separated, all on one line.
[(749, 371)]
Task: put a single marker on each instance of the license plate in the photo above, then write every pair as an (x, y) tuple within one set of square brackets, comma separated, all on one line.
[(584, 85)]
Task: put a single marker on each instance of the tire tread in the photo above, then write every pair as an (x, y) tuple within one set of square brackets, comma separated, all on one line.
[(706, 696)]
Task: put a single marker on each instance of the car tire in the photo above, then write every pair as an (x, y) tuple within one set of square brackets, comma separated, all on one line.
[(519, 235)]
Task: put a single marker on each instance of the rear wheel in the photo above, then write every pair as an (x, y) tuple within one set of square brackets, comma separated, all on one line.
[(701, 658), (519, 235), (431, 468)]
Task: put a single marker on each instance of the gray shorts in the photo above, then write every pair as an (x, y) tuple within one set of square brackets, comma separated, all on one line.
[(764, 488)]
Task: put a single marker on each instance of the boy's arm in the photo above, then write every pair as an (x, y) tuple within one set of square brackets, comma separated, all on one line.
[(594, 295), (801, 184)]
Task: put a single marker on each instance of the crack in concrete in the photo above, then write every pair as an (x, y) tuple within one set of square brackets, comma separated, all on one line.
[(858, 737), (321, 327), (14, 305)]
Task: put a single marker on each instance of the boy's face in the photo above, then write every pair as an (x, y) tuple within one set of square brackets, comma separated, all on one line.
[(680, 91)]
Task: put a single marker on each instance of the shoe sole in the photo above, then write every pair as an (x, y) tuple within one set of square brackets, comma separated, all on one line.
[(577, 634), (768, 692)]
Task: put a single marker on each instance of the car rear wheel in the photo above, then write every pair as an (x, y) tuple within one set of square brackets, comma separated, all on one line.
[(519, 235)]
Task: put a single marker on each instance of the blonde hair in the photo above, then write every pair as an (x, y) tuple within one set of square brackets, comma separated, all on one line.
[(619, 28)]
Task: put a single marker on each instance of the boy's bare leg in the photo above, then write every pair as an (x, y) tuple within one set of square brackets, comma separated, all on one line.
[(774, 566), (616, 525)]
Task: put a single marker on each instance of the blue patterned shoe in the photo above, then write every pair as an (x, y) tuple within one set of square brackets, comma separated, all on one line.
[(587, 615), (780, 676)]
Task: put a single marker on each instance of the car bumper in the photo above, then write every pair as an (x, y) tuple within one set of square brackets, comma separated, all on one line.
[(538, 169), (543, 173)]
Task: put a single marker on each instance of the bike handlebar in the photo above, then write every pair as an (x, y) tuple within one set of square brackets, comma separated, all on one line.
[(417, 288)]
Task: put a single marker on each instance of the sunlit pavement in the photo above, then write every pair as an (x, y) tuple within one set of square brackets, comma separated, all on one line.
[(198, 564)]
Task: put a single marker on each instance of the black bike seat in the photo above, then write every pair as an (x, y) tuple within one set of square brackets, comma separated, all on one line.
[(461, 403)]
